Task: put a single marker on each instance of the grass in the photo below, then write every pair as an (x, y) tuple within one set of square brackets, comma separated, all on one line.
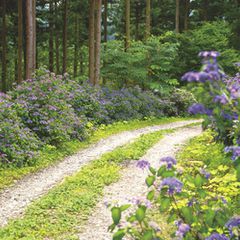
[(60, 213), (50, 154)]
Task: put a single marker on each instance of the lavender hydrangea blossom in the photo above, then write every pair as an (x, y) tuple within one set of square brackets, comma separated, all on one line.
[(233, 223), (143, 164), (168, 161), (216, 236), (173, 184), (182, 230), (235, 151)]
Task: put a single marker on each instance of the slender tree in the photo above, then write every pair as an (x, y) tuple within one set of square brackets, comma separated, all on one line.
[(91, 41), (148, 19), (4, 47), (76, 44), (98, 41), (34, 35), (105, 23), (64, 62), (20, 41), (127, 24), (29, 39), (56, 38), (137, 16), (186, 14), (177, 24), (51, 32)]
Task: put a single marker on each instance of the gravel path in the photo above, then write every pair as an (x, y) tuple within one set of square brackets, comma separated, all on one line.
[(132, 183), (15, 199)]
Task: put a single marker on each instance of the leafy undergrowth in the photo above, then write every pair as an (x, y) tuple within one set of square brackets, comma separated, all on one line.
[(51, 154), (59, 214), (203, 152)]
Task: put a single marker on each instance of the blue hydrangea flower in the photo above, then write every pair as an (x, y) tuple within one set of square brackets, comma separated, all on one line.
[(173, 184), (206, 174), (143, 164), (198, 108), (182, 229), (235, 151), (216, 236), (234, 222), (221, 99), (209, 54), (168, 161)]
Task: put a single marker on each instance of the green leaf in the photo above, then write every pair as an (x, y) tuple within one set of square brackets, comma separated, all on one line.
[(164, 204), (148, 235), (161, 170), (188, 214), (140, 214), (111, 227), (119, 235), (152, 170), (150, 180), (198, 181), (125, 207), (116, 215), (150, 195)]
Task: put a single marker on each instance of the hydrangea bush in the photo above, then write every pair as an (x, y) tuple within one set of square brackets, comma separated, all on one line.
[(218, 98), (18, 144), (192, 209)]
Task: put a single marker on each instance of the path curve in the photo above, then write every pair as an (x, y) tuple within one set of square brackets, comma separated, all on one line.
[(132, 183), (15, 199)]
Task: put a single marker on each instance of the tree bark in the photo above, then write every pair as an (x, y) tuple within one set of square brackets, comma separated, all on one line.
[(105, 23), (127, 17), (64, 64), (51, 54), (56, 39), (20, 41), (98, 41), (205, 10), (29, 39), (4, 47), (177, 17), (76, 46), (34, 35), (186, 14), (148, 19), (137, 20), (91, 41)]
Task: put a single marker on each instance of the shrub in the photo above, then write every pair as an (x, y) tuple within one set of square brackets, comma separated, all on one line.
[(44, 108), (18, 145)]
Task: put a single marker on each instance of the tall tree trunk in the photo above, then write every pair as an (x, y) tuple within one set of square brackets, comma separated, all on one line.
[(29, 39), (34, 35), (56, 38), (76, 46), (4, 47), (91, 41), (186, 14), (127, 20), (98, 41), (64, 64), (105, 23), (177, 17), (20, 41), (51, 55), (137, 20), (205, 10), (148, 19)]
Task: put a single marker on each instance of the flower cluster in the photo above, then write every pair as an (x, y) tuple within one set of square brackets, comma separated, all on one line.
[(173, 185), (169, 162)]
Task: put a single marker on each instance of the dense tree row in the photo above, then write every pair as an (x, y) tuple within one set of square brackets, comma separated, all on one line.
[(65, 35)]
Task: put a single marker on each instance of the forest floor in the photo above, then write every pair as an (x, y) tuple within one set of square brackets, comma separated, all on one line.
[(132, 183), (15, 199)]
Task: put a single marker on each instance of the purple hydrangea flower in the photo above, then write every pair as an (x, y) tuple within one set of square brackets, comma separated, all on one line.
[(209, 54), (196, 77), (235, 151), (182, 229), (173, 184), (234, 222), (216, 236), (221, 99), (197, 108), (143, 164), (206, 174), (141, 201), (168, 161)]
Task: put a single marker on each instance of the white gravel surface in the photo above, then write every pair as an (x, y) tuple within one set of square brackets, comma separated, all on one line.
[(132, 183), (15, 199)]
